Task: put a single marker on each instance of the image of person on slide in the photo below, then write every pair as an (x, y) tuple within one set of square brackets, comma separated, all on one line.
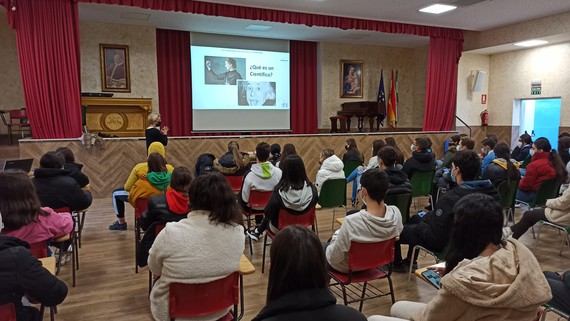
[(229, 77), (256, 93)]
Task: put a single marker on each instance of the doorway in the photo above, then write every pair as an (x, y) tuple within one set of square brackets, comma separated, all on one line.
[(538, 118)]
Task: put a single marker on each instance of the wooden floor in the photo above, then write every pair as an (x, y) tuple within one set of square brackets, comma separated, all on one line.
[(108, 288)]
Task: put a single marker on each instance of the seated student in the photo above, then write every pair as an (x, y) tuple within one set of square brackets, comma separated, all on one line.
[(545, 165), (432, 230), (563, 147), (502, 168), (451, 150), (21, 275), (560, 288), (378, 222), (485, 278), (352, 152), (263, 176), (288, 149), (72, 166), (466, 143), (487, 150), (331, 168), (421, 160), (234, 162), (398, 181), (298, 286), (357, 172), (55, 188), (275, 154), (23, 216), (294, 192), (522, 151), (390, 141), (204, 247), (121, 195)]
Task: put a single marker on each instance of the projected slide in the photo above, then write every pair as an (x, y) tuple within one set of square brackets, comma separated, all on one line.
[(239, 79)]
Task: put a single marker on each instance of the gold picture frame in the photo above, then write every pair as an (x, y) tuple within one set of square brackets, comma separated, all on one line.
[(351, 85), (115, 68)]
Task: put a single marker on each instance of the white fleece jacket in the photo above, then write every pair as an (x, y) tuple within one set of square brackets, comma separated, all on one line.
[(365, 228), (263, 177), (193, 250), (332, 168)]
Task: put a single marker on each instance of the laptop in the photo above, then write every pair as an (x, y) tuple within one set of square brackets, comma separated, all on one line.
[(23, 164)]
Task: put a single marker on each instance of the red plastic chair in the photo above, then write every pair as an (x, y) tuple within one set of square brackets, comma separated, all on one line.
[(257, 201), (193, 300), (18, 120), (235, 182), (285, 219), (7, 312), (364, 262), (141, 205), (39, 249)]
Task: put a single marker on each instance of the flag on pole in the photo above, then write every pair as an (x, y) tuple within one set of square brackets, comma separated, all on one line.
[(392, 104), (397, 96), (381, 92)]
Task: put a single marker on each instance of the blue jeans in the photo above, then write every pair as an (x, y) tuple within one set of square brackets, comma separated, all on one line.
[(525, 196), (120, 196), (355, 175)]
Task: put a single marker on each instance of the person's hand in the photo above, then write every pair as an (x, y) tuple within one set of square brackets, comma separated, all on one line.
[(208, 64), (164, 130), (437, 269), (360, 168)]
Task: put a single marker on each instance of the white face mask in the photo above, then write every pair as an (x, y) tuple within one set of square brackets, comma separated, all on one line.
[(531, 152), (1, 223), (458, 148), (519, 144), (412, 147)]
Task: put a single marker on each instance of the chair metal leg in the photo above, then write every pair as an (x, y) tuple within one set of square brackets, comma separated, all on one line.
[(137, 238), (362, 296), (334, 214), (264, 248), (52, 313), (537, 236), (241, 297), (73, 263), (415, 250), (343, 293), (393, 297), (249, 238), (149, 281)]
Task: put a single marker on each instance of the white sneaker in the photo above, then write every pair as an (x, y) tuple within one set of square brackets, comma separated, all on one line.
[(507, 232)]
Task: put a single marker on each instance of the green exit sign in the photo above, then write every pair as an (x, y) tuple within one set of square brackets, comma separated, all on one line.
[(535, 90)]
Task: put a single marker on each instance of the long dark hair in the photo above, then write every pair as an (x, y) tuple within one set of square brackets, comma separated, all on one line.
[(478, 222), (297, 262), (294, 174), (66, 153), (555, 161), (212, 192), (19, 203), (390, 141), (233, 147), (502, 150), (156, 163), (181, 179), (563, 146), (352, 145), (288, 149)]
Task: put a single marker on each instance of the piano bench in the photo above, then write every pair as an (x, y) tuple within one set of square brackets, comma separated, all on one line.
[(334, 128)]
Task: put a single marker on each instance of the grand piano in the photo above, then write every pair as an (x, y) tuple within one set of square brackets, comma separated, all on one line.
[(360, 109)]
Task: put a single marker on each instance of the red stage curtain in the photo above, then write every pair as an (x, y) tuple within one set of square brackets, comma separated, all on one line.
[(441, 85), (174, 82), (309, 19), (47, 35), (303, 87)]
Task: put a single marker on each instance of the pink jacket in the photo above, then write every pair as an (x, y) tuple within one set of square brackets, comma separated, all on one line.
[(46, 227)]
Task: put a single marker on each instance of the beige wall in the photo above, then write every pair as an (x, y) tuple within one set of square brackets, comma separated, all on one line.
[(10, 80), (142, 57), (469, 103), (412, 67)]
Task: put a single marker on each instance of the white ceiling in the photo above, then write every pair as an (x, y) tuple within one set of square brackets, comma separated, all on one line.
[(480, 16)]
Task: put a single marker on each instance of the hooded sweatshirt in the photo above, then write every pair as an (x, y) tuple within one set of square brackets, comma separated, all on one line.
[(57, 189), (365, 228), (46, 227), (332, 168), (508, 285), (141, 169), (262, 176), (398, 181), (497, 172), (420, 161), (148, 185), (296, 201)]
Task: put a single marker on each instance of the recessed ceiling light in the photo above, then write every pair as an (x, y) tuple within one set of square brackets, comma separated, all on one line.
[(531, 43), (438, 8), (258, 27)]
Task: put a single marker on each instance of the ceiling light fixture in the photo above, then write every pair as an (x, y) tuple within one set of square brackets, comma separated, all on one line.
[(438, 8), (530, 43), (258, 27)]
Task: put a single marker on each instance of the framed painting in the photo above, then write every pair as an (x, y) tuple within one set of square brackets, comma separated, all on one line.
[(115, 72), (351, 78)]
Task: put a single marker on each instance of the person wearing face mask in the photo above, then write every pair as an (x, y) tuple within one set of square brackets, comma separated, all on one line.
[(487, 150), (22, 274), (154, 133), (451, 150), (521, 152), (432, 230), (545, 164), (378, 222), (421, 160)]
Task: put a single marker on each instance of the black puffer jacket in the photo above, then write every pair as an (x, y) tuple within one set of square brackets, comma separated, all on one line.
[(227, 166), (399, 183), (76, 173), (21, 273), (308, 305), (420, 161), (497, 173), (56, 189), (435, 227), (353, 154)]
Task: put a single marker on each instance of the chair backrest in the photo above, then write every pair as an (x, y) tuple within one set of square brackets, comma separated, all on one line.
[(258, 199), (39, 249), (62, 210), (422, 183), (18, 114), (158, 228), (7, 312), (402, 202), (141, 205), (364, 256), (548, 189), (286, 218), (333, 193), (350, 166), (235, 182), (192, 300), (508, 191)]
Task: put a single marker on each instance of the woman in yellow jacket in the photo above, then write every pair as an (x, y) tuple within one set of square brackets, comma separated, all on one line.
[(140, 185)]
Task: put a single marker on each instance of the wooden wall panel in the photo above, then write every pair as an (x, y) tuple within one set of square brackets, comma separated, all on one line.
[(108, 166)]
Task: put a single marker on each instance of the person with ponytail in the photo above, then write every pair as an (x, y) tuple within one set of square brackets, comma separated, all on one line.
[(502, 168), (545, 164), (234, 162), (485, 277)]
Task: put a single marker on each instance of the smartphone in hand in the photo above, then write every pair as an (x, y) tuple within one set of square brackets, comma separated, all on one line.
[(432, 277)]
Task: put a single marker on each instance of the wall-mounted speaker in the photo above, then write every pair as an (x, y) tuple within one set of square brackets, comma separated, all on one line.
[(477, 80)]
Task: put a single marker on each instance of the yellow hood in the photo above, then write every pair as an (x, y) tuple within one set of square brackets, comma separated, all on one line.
[(157, 147)]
